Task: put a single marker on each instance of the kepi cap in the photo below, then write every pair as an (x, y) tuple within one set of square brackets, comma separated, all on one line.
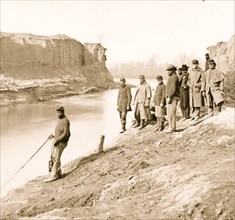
[(60, 109), (171, 67), (122, 79), (195, 62), (211, 61), (159, 77), (141, 76)]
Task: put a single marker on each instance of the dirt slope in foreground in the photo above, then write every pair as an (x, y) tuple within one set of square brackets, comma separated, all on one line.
[(145, 175)]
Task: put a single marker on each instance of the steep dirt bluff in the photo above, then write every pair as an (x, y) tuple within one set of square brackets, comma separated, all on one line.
[(224, 54), (145, 174), (29, 61)]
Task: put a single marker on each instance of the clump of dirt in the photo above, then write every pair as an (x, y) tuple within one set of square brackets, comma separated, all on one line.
[(144, 175)]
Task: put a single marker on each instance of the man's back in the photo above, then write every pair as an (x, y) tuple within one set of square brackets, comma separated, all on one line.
[(62, 129)]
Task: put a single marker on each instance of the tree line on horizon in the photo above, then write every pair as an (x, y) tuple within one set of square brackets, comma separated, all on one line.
[(150, 68)]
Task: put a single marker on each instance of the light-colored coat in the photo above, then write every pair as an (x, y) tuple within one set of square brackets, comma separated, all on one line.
[(212, 80), (212, 84), (143, 93), (195, 83)]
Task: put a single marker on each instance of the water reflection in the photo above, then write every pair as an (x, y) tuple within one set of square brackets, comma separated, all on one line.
[(25, 127)]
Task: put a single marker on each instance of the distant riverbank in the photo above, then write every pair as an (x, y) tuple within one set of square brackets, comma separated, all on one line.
[(15, 91)]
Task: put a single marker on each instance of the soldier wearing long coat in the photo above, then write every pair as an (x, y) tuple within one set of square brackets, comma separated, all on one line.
[(142, 102), (184, 92), (123, 102), (195, 82), (213, 87)]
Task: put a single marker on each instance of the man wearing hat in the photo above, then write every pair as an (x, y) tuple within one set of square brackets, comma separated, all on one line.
[(207, 57), (195, 81), (123, 102), (172, 96), (184, 92), (61, 138), (213, 87), (142, 102)]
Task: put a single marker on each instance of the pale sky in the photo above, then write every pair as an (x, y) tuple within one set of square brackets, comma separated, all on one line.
[(130, 30)]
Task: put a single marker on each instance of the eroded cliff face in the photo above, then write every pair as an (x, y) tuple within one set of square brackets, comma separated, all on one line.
[(27, 56), (223, 54)]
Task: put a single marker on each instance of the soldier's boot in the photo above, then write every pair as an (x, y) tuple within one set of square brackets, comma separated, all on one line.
[(158, 124), (210, 111), (162, 120), (123, 128), (141, 124), (219, 107), (59, 173), (137, 123)]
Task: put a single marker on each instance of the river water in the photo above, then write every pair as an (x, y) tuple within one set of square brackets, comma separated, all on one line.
[(24, 128)]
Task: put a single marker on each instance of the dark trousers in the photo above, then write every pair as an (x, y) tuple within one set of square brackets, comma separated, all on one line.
[(184, 102)]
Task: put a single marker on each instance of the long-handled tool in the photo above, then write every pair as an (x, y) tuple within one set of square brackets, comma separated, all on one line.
[(25, 163)]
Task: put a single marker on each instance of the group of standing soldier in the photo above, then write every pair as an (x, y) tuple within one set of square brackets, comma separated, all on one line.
[(193, 88)]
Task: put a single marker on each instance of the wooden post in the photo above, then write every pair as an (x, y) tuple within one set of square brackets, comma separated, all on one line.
[(101, 144)]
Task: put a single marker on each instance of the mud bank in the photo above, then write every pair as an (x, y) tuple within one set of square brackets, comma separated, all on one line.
[(38, 90), (144, 174)]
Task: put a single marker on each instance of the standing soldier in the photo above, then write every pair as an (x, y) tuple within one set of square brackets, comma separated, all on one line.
[(61, 138), (195, 81), (172, 96), (160, 101), (184, 92), (207, 61), (179, 73), (142, 102), (213, 87), (123, 102)]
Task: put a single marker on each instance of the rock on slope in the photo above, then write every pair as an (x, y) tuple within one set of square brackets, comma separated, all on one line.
[(144, 175), (224, 54)]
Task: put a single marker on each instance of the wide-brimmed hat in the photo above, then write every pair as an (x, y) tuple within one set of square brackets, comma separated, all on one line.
[(171, 67), (60, 109), (195, 62), (184, 67), (122, 79)]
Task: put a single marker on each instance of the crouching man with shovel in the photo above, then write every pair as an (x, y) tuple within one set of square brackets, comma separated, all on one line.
[(61, 138)]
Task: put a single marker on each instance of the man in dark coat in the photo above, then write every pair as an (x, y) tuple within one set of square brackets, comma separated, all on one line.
[(213, 87), (207, 56), (123, 102), (179, 73), (184, 92), (159, 101), (61, 138), (172, 96), (195, 82)]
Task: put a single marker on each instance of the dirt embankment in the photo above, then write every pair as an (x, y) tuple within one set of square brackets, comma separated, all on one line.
[(50, 66), (145, 174)]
